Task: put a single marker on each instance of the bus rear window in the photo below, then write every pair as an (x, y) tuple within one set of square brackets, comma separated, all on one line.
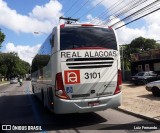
[(78, 37)]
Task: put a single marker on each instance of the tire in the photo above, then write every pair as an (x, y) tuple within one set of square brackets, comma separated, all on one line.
[(43, 102), (33, 89), (156, 91)]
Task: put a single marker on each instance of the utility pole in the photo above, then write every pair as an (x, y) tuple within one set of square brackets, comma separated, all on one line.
[(122, 60)]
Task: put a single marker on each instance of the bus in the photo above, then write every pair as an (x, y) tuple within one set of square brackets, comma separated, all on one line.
[(77, 69)]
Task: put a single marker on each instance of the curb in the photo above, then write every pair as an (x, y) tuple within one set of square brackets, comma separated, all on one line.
[(139, 115)]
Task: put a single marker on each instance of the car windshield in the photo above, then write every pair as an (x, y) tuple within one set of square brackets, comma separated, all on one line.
[(140, 74)]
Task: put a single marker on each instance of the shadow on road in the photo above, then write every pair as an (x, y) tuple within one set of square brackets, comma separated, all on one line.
[(130, 86), (17, 109), (51, 121), (150, 97)]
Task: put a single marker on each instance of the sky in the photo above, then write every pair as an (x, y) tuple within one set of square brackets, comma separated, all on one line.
[(27, 23)]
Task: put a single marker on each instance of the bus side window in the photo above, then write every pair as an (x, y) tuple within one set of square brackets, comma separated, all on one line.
[(52, 41)]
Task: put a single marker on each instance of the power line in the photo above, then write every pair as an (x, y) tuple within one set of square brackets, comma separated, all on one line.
[(105, 11), (71, 7), (147, 10), (92, 8), (110, 8), (80, 8), (139, 18), (117, 11), (136, 12), (125, 10)]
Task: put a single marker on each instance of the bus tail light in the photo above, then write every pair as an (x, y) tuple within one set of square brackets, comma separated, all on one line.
[(87, 25), (59, 87), (119, 83), (62, 25)]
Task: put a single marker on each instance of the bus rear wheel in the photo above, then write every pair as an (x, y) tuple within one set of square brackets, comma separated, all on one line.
[(43, 102), (32, 88)]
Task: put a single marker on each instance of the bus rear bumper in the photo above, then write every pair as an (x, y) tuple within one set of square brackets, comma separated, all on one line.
[(82, 106)]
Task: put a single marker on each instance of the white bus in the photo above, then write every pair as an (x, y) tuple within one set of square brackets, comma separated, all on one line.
[(77, 69)]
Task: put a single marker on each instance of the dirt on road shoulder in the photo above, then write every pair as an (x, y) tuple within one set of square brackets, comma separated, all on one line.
[(138, 100)]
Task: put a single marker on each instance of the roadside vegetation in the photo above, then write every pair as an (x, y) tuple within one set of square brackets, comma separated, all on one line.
[(2, 37), (138, 45), (10, 63), (12, 66)]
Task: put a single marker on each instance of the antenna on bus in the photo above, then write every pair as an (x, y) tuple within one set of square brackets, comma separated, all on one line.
[(69, 20)]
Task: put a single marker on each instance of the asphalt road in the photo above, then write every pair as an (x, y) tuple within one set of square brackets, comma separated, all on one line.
[(18, 106)]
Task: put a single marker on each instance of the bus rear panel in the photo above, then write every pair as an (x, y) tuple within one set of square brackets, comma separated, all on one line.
[(88, 77)]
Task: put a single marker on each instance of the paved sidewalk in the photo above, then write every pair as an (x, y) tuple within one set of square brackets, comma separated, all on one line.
[(3, 83), (138, 101)]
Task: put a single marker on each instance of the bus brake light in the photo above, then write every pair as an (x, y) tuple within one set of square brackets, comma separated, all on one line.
[(119, 83), (59, 90), (87, 25), (62, 25)]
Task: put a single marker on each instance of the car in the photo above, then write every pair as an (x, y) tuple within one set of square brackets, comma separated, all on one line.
[(28, 79), (154, 87), (13, 81), (144, 77)]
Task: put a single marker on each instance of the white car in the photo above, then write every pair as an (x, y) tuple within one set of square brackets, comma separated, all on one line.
[(13, 81), (154, 87)]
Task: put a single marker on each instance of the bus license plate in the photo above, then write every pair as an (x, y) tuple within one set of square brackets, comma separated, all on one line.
[(95, 103)]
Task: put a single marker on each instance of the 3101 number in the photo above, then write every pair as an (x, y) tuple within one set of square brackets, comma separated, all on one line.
[(93, 75)]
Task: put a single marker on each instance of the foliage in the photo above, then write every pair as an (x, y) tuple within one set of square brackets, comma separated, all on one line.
[(2, 37), (12, 66), (137, 45), (39, 62)]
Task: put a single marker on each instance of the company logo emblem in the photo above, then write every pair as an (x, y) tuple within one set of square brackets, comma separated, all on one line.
[(6, 127), (72, 76)]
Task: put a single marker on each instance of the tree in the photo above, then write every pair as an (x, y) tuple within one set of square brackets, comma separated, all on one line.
[(3, 67), (125, 56), (39, 62), (22, 68), (12, 66), (137, 45), (2, 37)]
